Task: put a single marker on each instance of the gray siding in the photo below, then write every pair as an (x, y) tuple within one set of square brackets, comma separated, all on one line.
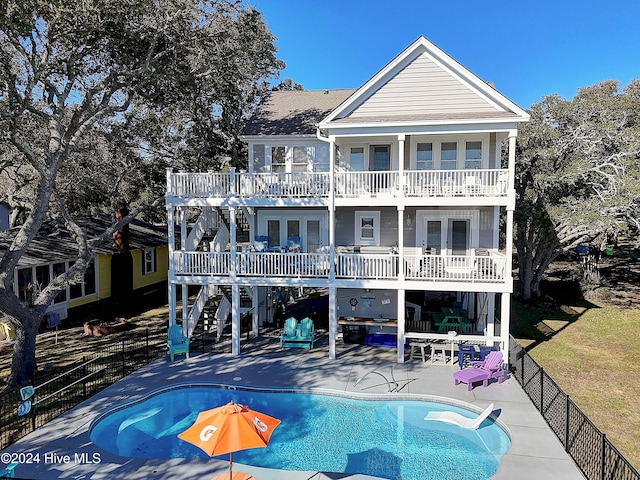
[(422, 87)]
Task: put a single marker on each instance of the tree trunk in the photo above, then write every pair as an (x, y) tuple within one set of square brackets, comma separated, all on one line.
[(23, 364)]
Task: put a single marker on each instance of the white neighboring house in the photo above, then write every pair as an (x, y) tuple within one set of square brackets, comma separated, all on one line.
[(390, 196)]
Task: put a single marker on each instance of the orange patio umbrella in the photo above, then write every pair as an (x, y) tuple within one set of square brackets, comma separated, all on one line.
[(230, 428)]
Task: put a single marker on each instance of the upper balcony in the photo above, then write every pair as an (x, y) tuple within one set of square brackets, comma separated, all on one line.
[(264, 188), (490, 268)]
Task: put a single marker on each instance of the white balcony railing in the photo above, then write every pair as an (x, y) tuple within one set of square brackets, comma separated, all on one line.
[(357, 266), (366, 266), (465, 268), (414, 183)]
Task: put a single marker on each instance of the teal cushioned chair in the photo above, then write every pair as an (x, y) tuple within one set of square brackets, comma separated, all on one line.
[(177, 342)]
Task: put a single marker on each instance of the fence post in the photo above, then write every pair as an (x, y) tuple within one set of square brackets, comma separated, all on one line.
[(541, 390), (84, 377), (123, 365), (522, 352), (147, 337), (602, 455), (566, 425)]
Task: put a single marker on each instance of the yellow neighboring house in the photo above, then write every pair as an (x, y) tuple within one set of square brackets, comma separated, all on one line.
[(119, 276)]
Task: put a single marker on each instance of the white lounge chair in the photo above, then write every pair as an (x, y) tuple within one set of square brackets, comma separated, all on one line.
[(460, 420)]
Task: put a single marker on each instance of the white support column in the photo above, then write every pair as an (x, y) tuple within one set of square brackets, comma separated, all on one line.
[(185, 310), (255, 317), (333, 322), (401, 320), (401, 139), (332, 211), (401, 243), (232, 243), (505, 321), (235, 319), (171, 288)]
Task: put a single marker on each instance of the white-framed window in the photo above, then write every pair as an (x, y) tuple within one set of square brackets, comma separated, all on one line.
[(424, 156), (259, 158), (278, 159), (449, 152), (87, 286), (300, 160), (367, 228), (310, 226), (149, 261), (448, 155), (473, 154), (31, 280), (321, 158), (356, 159), (446, 231)]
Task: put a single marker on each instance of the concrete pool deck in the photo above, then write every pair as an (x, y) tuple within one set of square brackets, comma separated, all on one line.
[(65, 450)]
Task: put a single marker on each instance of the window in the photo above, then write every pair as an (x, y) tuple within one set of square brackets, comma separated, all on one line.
[(88, 284), (300, 159), (473, 155), (314, 241), (367, 228), (42, 276), (321, 159), (424, 156), (381, 158), (448, 155), (356, 159), (149, 261), (434, 236), (278, 159), (25, 285), (273, 233), (259, 158), (59, 269)]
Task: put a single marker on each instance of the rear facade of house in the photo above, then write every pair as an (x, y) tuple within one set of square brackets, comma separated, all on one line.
[(395, 200)]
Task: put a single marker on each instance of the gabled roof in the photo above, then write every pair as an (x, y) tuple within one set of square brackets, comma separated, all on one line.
[(54, 243), (424, 84), (294, 112)]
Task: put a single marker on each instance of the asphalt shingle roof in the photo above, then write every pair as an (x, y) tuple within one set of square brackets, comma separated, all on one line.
[(54, 243), (294, 112)]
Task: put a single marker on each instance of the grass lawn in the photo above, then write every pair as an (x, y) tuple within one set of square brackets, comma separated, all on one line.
[(593, 353)]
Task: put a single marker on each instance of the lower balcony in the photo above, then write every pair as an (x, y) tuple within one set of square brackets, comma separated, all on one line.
[(490, 267)]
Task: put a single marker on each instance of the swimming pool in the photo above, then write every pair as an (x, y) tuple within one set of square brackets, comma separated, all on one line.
[(320, 431)]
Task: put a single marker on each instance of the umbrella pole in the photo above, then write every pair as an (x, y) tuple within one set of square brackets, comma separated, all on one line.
[(230, 465)]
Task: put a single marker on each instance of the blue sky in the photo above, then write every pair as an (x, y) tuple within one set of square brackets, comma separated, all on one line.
[(527, 48)]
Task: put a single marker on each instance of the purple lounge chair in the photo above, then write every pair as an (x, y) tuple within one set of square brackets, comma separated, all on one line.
[(481, 371)]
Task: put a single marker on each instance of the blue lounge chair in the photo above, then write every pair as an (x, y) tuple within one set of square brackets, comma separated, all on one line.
[(177, 342)]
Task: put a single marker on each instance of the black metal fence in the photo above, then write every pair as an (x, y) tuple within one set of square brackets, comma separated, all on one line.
[(57, 393), (592, 451)]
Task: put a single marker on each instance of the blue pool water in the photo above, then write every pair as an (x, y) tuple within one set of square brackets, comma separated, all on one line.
[(318, 432)]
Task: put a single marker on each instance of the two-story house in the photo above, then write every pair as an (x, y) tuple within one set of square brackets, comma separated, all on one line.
[(397, 198)]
